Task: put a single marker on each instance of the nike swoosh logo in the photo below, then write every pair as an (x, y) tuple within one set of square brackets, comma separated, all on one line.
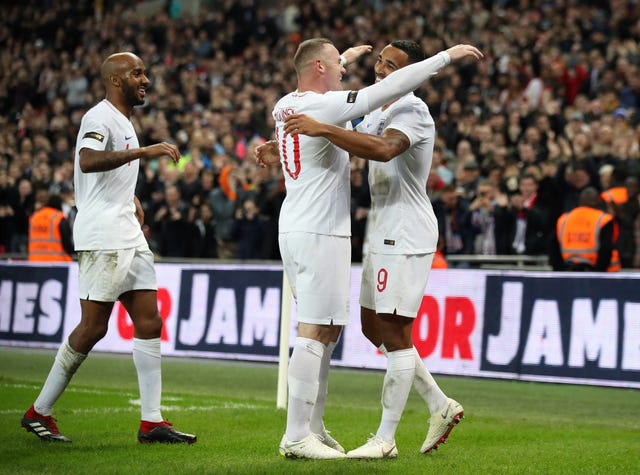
[(445, 413), (385, 453), (127, 138)]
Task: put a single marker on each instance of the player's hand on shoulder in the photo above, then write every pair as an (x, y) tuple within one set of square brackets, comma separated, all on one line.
[(462, 51)]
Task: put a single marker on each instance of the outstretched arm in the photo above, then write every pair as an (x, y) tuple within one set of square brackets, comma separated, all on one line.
[(103, 160), (410, 77), (380, 148), (401, 82)]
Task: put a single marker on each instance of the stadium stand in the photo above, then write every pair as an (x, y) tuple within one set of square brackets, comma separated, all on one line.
[(555, 100)]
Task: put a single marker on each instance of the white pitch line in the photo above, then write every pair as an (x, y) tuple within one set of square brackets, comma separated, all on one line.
[(110, 410), (168, 397), (135, 403), (71, 390), (222, 405)]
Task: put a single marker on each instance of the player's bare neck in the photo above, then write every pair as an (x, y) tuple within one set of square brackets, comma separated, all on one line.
[(311, 86), (125, 109)]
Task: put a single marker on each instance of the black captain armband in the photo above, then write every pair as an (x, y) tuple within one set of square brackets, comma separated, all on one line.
[(94, 135)]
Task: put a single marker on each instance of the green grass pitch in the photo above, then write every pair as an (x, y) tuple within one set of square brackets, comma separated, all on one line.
[(510, 427)]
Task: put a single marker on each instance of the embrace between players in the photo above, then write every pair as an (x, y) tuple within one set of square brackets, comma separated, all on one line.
[(311, 142)]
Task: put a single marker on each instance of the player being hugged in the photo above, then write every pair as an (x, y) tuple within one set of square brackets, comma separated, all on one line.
[(402, 232), (314, 223)]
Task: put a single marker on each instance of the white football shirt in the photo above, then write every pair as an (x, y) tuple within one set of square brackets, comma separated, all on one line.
[(316, 171), (401, 219), (106, 212)]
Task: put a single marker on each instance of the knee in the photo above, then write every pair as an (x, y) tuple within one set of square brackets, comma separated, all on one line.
[(92, 333), (155, 325), (85, 336), (95, 331), (322, 333), (100, 333), (394, 341), (326, 335), (372, 333), (149, 327)]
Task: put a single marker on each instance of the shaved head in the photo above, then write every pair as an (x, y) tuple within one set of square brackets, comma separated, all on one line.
[(124, 78), (117, 64)]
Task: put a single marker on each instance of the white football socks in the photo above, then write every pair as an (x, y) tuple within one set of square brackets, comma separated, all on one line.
[(395, 391), (317, 424), (304, 370), (146, 358), (427, 386), (424, 383), (65, 364)]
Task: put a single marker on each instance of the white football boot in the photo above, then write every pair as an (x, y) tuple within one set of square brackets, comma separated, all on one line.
[(374, 448), (326, 439), (441, 423), (311, 447)]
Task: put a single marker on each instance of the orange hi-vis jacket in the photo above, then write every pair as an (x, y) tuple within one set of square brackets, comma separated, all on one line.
[(617, 195), (45, 241), (578, 233)]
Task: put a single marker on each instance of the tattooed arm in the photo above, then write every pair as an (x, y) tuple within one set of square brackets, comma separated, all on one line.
[(372, 147)]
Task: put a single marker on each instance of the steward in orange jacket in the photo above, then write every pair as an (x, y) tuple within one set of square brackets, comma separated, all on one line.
[(585, 237), (616, 192), (616, 195), (50, 233)]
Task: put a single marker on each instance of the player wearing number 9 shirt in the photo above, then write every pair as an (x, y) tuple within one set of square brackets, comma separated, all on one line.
[(315, 226), (402, 236)]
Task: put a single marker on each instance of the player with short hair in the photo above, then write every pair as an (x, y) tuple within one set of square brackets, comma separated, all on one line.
[(114, 260), (402, 237), (315, 222)]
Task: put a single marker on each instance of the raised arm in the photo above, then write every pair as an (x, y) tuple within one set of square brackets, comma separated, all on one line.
[(352, 54), (410, 77), (380, 148), (401, 82)]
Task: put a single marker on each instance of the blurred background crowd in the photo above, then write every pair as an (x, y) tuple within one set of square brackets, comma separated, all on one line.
[(551, 110)]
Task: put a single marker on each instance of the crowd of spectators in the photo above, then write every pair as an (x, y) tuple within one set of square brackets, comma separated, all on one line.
[(552, 109)]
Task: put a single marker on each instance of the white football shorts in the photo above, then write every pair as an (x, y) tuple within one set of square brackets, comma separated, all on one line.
[(394, 283), (105, 275), (318, 268)]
